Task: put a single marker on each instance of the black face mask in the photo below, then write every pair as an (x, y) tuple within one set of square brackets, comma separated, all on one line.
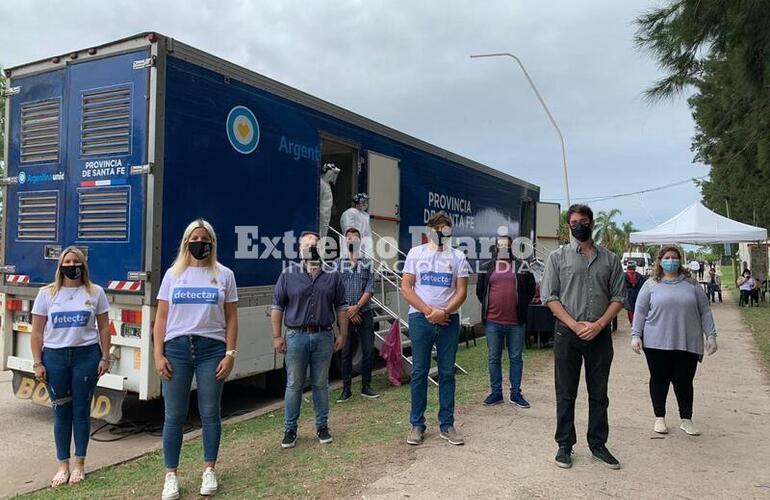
[(72, 272), (311, 254), (581, 232), (441, 238), (200, 249)]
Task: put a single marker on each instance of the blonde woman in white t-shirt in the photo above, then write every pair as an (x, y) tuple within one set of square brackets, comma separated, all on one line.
[(70, 349), (195, 333)]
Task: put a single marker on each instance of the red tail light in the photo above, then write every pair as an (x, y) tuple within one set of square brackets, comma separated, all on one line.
[(13, 304), (133, 317)]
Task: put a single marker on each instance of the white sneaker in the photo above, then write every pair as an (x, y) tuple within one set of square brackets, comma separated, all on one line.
[(689, 427), (209, 483), (660, 425), (170, 487)]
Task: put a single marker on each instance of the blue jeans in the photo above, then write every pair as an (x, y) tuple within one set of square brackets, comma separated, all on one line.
[(71, 377), (192, 355), (302, 350), (513, 337), (424, 335)]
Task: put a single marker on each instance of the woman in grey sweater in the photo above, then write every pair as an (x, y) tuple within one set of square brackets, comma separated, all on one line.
[(671, 318)]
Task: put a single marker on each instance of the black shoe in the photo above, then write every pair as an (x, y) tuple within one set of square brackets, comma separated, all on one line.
[(289, 439), (603, 455), (564, 457), (323, 435), (345, 395), (367, 392)]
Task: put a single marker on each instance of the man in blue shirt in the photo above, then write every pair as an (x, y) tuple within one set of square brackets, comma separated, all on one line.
[(308, 298), (356, 274)]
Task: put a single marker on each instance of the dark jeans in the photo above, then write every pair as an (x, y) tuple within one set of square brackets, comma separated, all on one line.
[(714, 290), (570, 352), (200, 356), (365, 333), (511, 336), (424, 335), (71, 377), (667, 367)]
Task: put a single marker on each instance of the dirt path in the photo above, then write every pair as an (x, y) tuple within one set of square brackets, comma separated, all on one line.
[(509, 453)]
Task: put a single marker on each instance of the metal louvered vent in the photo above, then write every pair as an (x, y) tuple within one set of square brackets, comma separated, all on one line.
[(106, 126), (40, 124), (103, 214), (38, 215)]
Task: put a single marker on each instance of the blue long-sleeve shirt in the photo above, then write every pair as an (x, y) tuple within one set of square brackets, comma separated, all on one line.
[(309, 301), (673, 315)]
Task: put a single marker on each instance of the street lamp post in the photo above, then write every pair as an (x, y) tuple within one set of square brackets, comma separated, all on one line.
[(547, 112)]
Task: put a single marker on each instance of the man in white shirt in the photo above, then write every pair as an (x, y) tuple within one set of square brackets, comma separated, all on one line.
[(435, 281), (694, 267)]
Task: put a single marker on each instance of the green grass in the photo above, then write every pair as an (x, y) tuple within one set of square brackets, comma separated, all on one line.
[(758, 318), (253, 465)]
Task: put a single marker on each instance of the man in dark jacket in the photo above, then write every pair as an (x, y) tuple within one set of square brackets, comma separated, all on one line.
[(505, 295), (634, 282)]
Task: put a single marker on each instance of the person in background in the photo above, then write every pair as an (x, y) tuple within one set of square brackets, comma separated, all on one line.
[(356, 274), (583, 287), (358, 218), (714, 284), (701, 269), (505, 295), (634, 282), (70, 350), (694, 267), (672, 317), (435, 282), (309, 296), (195, 334), (746, 284)]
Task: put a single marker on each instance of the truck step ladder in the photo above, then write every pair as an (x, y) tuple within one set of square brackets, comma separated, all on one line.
[(384, 316)]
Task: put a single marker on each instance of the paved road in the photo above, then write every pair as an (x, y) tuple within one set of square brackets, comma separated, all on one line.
[(509, 453)]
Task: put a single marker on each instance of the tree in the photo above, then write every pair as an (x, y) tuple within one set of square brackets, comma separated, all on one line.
[(625, 234), (606, 231), (684, 34), (563, 228), (721, 50)]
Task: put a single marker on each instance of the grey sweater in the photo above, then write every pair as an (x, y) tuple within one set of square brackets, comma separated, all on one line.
[(673, 315)]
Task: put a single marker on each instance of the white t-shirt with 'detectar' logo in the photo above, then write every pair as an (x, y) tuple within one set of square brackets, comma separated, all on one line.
[(70, 315), (196, 301), (436, 273)]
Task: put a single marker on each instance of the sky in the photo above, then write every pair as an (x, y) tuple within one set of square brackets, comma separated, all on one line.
[(406, 64)]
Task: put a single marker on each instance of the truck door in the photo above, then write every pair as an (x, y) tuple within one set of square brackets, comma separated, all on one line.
[(107, 102), (384, 204), (34, 203)]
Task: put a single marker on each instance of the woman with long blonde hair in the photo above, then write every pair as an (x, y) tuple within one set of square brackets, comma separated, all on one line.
[(195, 333), (70, 350)]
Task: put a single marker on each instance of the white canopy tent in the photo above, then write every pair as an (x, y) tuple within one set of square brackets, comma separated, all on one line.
[(698, 225)]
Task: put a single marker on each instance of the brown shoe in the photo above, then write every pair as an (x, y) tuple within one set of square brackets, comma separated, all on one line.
[(451, 435), (416, 436)]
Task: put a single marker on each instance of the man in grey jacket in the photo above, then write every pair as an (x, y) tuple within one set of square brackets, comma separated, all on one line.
[(583, 286)]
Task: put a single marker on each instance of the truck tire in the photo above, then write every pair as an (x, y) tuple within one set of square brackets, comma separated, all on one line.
[(275, 382)]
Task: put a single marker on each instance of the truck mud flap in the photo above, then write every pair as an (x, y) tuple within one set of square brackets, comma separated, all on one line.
[(106, 405)]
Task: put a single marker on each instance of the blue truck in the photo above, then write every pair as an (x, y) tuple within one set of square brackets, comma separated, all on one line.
[(116, 148)]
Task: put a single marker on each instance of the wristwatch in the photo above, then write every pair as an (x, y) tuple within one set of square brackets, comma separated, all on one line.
[(233, 354)]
